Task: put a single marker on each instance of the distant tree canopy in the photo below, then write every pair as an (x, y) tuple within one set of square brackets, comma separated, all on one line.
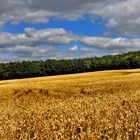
[(27, 69)]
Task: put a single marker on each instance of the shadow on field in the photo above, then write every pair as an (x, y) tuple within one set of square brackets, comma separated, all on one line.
[(127, 72), (19, 93)]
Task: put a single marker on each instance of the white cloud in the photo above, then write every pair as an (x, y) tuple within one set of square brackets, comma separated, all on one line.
[(74, 48), (7, 58), (39, 11), (33, 37), (111, 43), (47, 43), (59, 36), (123, 16), (87, 49)]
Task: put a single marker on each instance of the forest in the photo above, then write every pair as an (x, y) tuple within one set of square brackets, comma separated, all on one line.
[(28, 69)]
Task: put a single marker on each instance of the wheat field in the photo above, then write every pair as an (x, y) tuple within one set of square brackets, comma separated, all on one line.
[(89, 106)]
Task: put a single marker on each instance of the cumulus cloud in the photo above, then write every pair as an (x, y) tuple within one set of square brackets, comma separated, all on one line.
[(35, 11), (103, 42), (7, 58), (123, 17), (54, 37), (74, 48), (86, 49), (32, 37), (47, 43), (50, 36), (34, 44)]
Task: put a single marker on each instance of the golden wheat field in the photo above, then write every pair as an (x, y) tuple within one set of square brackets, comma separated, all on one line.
[(89, 106)]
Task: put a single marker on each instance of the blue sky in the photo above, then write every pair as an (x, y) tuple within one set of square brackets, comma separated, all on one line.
[(79, 27), (40, 30)]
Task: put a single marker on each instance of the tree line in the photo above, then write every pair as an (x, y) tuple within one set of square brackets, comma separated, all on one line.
[(28, 69)]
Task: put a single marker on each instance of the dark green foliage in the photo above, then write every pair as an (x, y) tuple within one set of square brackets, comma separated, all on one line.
[(16, 70)]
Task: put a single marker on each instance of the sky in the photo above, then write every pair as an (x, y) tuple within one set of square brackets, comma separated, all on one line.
[(67, 29)]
